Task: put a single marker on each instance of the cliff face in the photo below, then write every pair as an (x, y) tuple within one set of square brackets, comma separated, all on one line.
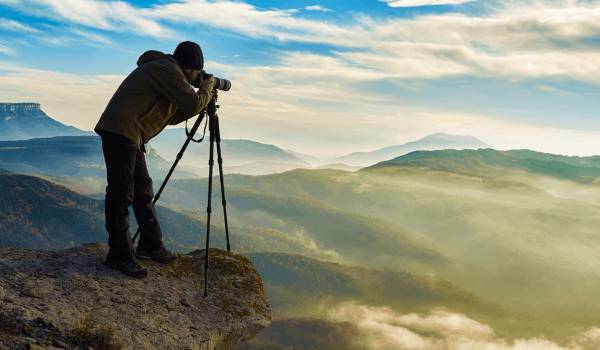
[(20, 109), (69, 299), (20, 121)]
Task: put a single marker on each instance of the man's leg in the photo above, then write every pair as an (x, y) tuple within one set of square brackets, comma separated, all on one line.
[(151, 244), (119, 155), (145, 213)]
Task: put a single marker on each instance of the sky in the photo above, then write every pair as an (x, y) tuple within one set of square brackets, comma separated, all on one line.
[(330, 77)]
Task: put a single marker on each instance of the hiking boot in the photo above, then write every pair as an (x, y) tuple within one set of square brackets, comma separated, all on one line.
[(161, 255), (129, 267)]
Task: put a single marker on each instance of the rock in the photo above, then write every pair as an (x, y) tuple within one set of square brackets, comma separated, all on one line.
[(69, 299)]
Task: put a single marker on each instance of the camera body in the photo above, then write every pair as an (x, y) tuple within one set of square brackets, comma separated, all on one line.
[(220, 84)]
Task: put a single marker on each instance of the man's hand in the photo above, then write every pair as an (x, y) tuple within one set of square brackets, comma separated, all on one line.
[(207, 84)]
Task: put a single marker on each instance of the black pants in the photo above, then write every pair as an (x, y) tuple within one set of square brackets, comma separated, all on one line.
[(128, 183)]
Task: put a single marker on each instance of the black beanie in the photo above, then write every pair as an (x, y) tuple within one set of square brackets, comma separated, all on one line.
[(189, 55)]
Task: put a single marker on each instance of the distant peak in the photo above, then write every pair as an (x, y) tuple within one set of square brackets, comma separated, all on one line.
[(441, 135), (13, 107)]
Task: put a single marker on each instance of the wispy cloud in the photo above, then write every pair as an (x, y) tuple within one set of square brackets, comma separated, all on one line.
[(245, 19), (107, 15), (415, 3), (516, 40), (382, 328), (90, 36), (317, 8), (521, 40), (15, 26), (6, 50)]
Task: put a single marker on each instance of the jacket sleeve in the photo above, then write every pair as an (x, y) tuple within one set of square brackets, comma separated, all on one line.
[(170, 82), (180, 115)]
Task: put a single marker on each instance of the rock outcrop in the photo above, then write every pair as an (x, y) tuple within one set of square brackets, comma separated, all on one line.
[(21, 121), (69, 299), (23, 108)]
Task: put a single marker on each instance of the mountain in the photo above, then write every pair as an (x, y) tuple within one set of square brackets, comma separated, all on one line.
[(303, 291), (19, 121), (503, 233), (311, 159), (491, 163), (339, 166), (72, 156), (431, 142), (242, 156), (298, 282), (327, 231), (37, 213), (252, 168)]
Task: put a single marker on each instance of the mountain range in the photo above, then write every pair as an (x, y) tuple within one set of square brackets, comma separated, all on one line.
[(437, 141), (21, 121), (239, 156), (40, 214), (499, 229), (69, 156), (491, 163)]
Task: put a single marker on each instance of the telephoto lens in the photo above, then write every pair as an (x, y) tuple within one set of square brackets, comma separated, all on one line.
[(220, 84)]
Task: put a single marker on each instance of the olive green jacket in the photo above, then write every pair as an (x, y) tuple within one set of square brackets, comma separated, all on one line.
[(154, 95)]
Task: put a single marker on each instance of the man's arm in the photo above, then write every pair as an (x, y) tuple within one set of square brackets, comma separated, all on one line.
[(171, 83), (180, 115)]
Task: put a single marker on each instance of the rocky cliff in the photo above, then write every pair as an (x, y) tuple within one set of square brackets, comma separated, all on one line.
[(69, 299), (20, 109), (20, 121)]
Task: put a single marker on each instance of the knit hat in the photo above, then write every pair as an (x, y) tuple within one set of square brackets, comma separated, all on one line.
[(189, 55)]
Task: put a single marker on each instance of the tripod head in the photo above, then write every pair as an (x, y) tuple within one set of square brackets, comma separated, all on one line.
[(211, 109)]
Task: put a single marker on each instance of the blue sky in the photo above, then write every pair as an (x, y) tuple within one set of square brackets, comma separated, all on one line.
[(330, 77)]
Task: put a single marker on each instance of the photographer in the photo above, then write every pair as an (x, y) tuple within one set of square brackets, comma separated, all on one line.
[(156, 94)]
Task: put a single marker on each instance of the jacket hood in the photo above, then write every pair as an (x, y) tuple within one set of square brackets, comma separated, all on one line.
[(153, 55)]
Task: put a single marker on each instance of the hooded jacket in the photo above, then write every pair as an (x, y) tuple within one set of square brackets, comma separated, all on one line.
[(153, 96)]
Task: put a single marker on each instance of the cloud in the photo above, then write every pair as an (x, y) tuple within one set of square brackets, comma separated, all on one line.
[(291, 107), (90, 36), (303, 99), (72, 36), (73, 99), (245, 19), (415, 3), (519, 40), (513, 40), (6, 50), (383, 328), (14, 26), (317, 8), (106, 15)]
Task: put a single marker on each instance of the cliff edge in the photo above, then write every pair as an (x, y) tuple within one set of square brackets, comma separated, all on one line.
[(69, 299)]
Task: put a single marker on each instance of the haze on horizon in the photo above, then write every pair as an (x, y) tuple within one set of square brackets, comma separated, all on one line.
[(330, 77)]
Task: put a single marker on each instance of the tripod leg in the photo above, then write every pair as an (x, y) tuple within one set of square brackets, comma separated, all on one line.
[(179, 156), (220, 161), (208, 208)]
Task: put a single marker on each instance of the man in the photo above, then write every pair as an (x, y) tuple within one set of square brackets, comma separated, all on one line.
[(156, 94)]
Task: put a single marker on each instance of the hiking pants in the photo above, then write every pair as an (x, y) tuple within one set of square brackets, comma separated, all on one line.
[(128, 183)]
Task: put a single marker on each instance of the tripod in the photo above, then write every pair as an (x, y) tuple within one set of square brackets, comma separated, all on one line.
[(215, 136)]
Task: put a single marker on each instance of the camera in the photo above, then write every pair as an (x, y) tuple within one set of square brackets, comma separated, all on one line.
[(220, 83)]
